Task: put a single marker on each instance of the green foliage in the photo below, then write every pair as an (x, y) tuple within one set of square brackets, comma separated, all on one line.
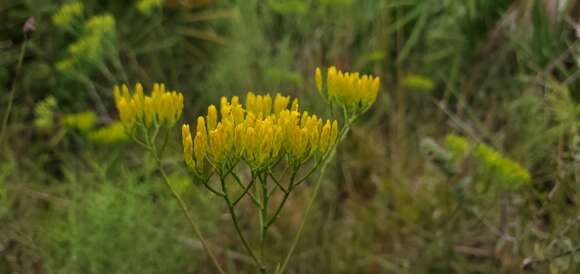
[(118, 229)]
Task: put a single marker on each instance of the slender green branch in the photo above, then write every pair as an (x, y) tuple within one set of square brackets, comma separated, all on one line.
[(213, 190), (246, 190), (234, 218), (291, 186), (264, 217), (153, 149), (239, 181), (310, 172), (277, 183), (13, 89), (341, 137)]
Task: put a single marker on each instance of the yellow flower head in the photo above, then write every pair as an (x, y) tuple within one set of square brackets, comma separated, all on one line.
[(82, 121), (354, 91), (160, 108), (111, 134), (187, 146), (502, 169), (261, 134), (458, 146), (68, 14)]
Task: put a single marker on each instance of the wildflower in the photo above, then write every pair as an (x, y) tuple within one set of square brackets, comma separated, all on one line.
[(260, 134), (148, 6), (87, 51), (44, 113), (458, 146), (82, 121), (90, 48), (111, 134), (500, 168), (68, 14), (101, 25), (418, 82), (355, 92), (187, 146), (162, 108), (66, 65)]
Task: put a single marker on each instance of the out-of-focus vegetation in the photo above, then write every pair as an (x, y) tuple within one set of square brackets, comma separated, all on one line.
[(469, 161)]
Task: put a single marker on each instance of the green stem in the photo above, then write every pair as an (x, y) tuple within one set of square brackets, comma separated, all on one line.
[(246, 189), (13, 90), (284, 199), (310, 172), (234, 218), (314, 194), (213, 190), (183, 207), (264, 212)]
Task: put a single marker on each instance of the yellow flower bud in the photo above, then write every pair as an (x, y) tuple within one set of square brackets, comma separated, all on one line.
[(318, 80), (139, 91), (200, 128), (334, 133), (356, 92), (148, 111), (225, 108), (280, 103), (211, 117), (251, 102), (200, 149), (239, 139), (267, 105), (295, 105), (216, 145), (325, 137), (187, 146)]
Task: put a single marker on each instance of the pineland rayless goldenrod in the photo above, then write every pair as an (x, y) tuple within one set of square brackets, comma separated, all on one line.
[(269, 136), (355, 92), (161, 108), (259, 133)]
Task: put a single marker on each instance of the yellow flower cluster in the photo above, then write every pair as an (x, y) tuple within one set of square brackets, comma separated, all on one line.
[(98, 37), (501, 168), (148, 6), (261, 133), (82, 121), (354, 91), (161, 108), (111, 134), (458, 146), (68, 14)]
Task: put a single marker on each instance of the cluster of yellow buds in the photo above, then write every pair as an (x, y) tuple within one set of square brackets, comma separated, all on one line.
[(355, 92), (261, 133), (68, 14), (502, 169), (160, 108)]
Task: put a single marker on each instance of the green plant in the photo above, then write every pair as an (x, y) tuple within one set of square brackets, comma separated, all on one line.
[(269, 137), (116, 227)]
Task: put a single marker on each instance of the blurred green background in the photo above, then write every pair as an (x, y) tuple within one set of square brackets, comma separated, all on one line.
[(76, 197)]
